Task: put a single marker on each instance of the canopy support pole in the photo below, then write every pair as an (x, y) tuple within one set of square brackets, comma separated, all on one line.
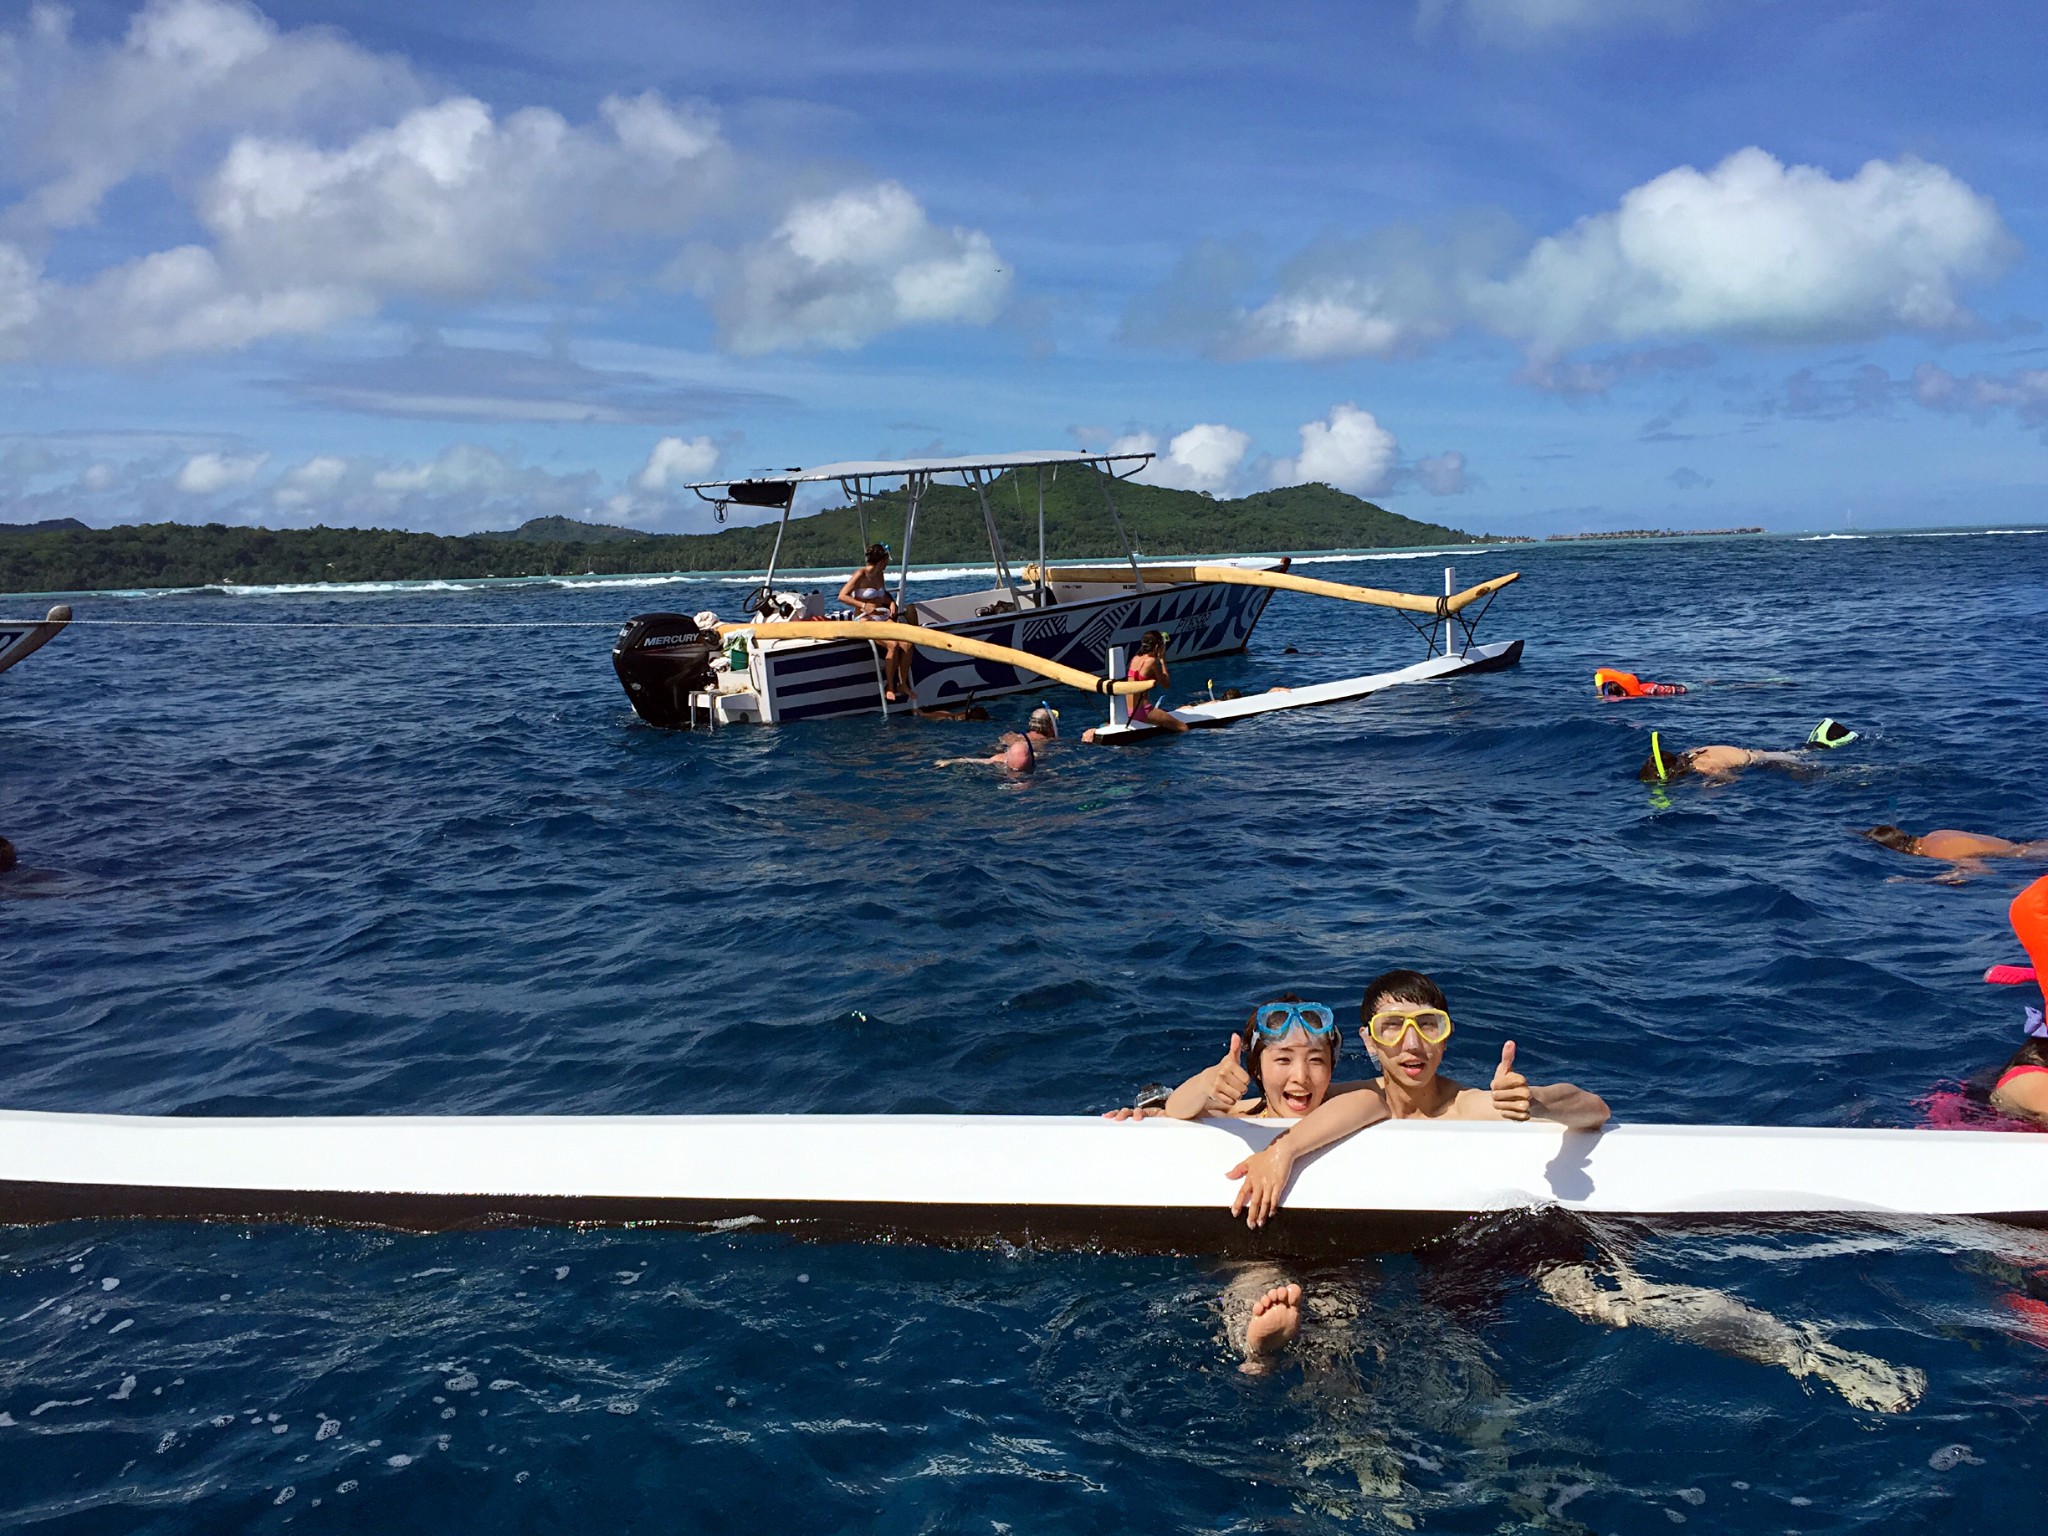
[(1129, 553), (1041, 536), (995, 539), (914, 491), (775, 554)]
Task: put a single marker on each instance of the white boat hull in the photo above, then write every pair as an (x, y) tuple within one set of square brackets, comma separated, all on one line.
[(822, 680), (1056, 1180)]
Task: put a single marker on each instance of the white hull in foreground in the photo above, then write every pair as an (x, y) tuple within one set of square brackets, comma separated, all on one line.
[(1478, 658), (1053, 1180)]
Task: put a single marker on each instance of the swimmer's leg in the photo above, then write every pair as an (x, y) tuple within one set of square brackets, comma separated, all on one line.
[(1275, 1323), (1698, 1315), (1261, 1315)]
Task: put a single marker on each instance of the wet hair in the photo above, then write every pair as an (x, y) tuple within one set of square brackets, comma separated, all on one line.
[(1153, 643), (877, 553), (1255, 1043), (1676, 766), (1043, 716), (1406, 986), (974, 712), (1896, 838), (2032, 1054)]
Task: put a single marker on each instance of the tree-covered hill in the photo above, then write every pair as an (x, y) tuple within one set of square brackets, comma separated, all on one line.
[(949, 530)]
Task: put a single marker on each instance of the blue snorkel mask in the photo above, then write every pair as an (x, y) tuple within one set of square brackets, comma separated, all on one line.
[(1274, 1021)]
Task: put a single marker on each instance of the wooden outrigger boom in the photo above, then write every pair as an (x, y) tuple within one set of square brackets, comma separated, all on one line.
[(937, 640), (1241, 576)]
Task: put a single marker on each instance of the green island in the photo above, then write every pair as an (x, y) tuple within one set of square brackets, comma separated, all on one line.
[(70, 557)]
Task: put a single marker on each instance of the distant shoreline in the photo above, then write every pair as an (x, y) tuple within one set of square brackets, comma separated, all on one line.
[(956, 570)]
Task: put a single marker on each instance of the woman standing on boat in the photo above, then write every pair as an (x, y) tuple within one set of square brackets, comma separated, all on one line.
[(867, 593)]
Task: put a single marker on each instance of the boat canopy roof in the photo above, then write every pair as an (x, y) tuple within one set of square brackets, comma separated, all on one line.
[(871, 469)]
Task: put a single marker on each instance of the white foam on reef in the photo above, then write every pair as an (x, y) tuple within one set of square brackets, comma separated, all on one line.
[(1977, 533), (626, 581), (1831, 538)]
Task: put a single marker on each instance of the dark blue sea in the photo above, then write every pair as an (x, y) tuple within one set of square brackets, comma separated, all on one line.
[(380, 870)]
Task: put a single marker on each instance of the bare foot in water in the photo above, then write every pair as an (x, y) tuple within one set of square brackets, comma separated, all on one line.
[(1275, 1320)]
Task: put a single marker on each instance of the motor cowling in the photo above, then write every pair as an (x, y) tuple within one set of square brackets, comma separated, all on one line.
[(661, 659)]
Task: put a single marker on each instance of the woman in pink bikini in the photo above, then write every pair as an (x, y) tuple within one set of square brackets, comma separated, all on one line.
[(1149, 665)]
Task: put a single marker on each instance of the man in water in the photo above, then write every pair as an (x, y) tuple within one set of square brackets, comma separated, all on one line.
[(1963, 851), (1724, 762), (1015, 754)]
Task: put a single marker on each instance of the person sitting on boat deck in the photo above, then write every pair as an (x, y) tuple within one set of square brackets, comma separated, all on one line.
[(1723, 762), (867, 593), (2022, 1086), (1613, 683), (1149, 708), (1965, 851), (1291, 1056), (1407, 1022)]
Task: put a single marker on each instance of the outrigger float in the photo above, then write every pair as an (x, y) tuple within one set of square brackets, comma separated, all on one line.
[(961, 1180), (788, 661)]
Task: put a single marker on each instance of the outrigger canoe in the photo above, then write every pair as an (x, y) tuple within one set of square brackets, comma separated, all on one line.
[(789, 659), (1058, 1181)]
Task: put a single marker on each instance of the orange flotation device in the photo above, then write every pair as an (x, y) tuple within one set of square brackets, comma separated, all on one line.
[(1613, 683)]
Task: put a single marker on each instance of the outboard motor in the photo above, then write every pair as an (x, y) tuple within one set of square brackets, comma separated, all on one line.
[(662, 658)]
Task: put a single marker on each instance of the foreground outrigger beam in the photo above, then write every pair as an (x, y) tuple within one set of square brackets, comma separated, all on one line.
[(936, 640), (965, 1179)]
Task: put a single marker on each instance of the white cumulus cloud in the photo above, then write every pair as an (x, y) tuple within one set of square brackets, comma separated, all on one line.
[(2024, 392), (1757, 250), (208, 474), (328, 182), (1442, 474), (1751, 250), (1206, 457), (186, 75), (1527, 21), (841, 270), (677, 460), (1348, 449)]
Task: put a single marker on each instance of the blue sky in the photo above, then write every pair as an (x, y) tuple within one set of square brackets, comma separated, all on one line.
[(1522, 266)]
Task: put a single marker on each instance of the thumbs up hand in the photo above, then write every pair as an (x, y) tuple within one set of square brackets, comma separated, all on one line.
[(1229, 1079), (1510, 1088)]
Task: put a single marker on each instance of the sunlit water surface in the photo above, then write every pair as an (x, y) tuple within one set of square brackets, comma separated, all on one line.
[(445, 870)]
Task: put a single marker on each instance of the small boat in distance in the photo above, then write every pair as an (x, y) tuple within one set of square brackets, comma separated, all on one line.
[(787, 660)]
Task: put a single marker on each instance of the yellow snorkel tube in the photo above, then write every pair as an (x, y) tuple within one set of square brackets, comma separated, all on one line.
[(1659, 801)]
